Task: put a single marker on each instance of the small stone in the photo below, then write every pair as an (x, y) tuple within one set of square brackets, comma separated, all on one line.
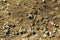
[(5, 27), (54, 0), (26, 39), (30, 16), (8, 4), (40, 38), (37, 20), (44, 35), (4, 0), (34, 33), (56, 25), (44, 1), (18, 4), (52, 23), (37, 2), (33, 24), (48, 33), (37, 28), (14, 25), (31, 29), (23, 31), (44, 29), (23, 39), (6, 31), (7, 9)]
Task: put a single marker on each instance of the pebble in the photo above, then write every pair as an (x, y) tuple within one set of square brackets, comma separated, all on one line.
[(4, 0), (18, 3), (54, 0), (30, 16), (49, 33), (6, 30), (40, 38), (37, 2), (44, 35), (23, 31), (44, 29), (36, 35), (56, 25), (37, 21), (32, 31), (5, 27), (43, 0), (52, 23), (46, 32), (7, 9), (23, 39), (33, 24), (26, 39), (2, 39)]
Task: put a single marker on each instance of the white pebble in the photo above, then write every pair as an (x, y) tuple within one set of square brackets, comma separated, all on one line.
[(36, 35), (18, 4), (40, 38), (52, 23), (44, 35), (4, 0), (46, 32), (50, 33), (43, 0)]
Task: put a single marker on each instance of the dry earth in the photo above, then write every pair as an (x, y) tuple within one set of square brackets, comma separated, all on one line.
[(29, 19)]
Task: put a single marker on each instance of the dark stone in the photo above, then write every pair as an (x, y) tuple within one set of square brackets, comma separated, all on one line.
[(37, 21), (33, 33), (57, 26), (17, 34), (9, 25), (48, 34), (37, 28), (33, 24), (14, 26), (30, 17), (0, 16), (8, 32), (9, 14), (37, 2), (29, 35), (44, 2), (23, 32)]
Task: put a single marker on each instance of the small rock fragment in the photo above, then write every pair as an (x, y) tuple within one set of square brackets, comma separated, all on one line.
[(30, 16)]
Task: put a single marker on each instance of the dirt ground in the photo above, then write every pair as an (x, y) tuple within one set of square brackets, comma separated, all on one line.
[(29, 19)]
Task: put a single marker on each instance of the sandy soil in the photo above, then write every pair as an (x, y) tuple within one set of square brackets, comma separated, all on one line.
[(29, 19)]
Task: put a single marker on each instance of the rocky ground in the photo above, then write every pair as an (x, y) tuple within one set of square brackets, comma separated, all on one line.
[(29, 19)]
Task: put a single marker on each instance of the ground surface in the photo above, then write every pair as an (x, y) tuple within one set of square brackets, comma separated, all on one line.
[(29, 20)]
